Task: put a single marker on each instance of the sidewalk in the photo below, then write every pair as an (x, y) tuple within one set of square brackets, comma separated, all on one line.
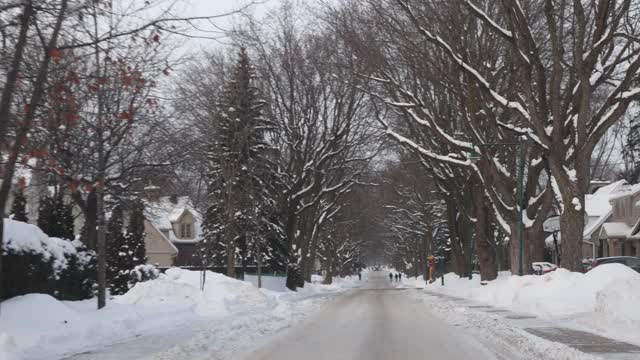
[(580, 340)]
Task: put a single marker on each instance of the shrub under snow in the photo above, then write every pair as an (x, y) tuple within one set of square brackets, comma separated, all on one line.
[(35, 263), (142, 273)]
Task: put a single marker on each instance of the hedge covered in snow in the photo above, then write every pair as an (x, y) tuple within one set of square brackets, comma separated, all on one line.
[(32, 262)]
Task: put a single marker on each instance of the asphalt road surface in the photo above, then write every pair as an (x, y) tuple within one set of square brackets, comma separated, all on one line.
[(377, 322)]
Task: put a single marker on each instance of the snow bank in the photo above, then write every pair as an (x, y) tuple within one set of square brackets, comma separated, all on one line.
[(26, 238), (34, 324), (178, 286), (273, 283), (606, 298), (38, 326)]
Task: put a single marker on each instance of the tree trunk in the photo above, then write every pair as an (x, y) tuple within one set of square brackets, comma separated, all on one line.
[(486, 255), (328, 279), (293, 271), (571, 228), (231, 252), (532, 247), (456, 251)]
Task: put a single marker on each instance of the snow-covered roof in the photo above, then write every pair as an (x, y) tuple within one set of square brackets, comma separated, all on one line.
[(616, 229), (163, 213), (598, 207), (625, 190), (597, 204)]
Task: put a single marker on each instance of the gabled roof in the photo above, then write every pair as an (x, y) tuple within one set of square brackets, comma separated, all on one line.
[(163, 213), (616, 229), (625, 190), (598, 206)]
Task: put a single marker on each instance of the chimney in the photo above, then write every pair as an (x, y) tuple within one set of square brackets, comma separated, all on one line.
[(152, 192), (173, 198)]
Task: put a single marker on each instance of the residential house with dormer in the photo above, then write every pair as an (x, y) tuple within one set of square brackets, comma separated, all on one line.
[(173, 228), (620, 234)]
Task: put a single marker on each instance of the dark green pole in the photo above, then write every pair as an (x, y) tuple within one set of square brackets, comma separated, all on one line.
[(522, 151)]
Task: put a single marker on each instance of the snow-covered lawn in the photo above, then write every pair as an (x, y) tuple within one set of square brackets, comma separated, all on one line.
[(37, 326), (603, 301)]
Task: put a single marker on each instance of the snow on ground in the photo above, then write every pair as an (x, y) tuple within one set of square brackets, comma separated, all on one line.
[(37, 326), (604, 300), (502, 338)]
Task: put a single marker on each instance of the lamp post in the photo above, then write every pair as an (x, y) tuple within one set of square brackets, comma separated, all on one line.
[(521, 158)]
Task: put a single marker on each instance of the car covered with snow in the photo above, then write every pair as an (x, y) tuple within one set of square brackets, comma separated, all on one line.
[(630, 261), (541, 268)]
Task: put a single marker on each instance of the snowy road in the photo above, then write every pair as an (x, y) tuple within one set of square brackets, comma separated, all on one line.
[(377, 322)]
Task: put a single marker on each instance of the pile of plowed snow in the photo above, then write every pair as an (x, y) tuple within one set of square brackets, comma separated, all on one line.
[(604, 300), (35, 323), (178, 286), (556, 293)]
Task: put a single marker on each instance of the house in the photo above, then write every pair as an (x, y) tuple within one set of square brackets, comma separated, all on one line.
[(620, 234), (598, 212), (173, 228)]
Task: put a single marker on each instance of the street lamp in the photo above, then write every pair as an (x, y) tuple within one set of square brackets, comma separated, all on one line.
[(521, 158)]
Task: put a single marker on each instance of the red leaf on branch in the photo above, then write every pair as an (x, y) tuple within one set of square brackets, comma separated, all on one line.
[(39, 153), (56, 55), (125, 115)]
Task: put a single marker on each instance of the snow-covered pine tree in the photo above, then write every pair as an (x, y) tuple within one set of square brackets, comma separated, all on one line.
[(631, 154), (240, 161), (125, 250), (19, 206), (134, 238), (55, 217), (117, 254)]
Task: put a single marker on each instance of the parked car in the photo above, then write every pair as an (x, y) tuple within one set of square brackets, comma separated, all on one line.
[(587, 264), (541, 268), (630, 261)]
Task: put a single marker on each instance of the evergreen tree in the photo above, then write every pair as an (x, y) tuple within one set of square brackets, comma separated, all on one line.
[(55, 217), (117, 264), (19, 206), (631, 154), (242, 175), (125, 250), (134, 238)]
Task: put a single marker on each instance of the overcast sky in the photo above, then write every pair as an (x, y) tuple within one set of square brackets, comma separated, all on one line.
[(188, 8)]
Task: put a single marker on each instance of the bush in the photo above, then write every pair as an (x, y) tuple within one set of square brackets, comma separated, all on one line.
[(25, 272), (32, 262), (78, 279), (142, 273)]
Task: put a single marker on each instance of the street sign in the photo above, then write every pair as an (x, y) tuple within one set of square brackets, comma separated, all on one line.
[(551, 224)]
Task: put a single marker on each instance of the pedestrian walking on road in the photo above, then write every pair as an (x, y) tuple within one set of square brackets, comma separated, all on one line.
[(359, 275), (400, 276), (396, 276), (390, 277)]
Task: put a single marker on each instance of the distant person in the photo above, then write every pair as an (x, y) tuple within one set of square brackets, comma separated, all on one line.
[(396, 276), (400, 276), (390, 277), (359, 275)]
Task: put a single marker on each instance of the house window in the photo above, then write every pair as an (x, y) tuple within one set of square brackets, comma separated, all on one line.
[(186, 231)]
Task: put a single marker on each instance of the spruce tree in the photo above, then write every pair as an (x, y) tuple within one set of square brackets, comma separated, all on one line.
[(19, 206), (134, 237), (55, 217), (125, 250), (242, 177), (117, 254)]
